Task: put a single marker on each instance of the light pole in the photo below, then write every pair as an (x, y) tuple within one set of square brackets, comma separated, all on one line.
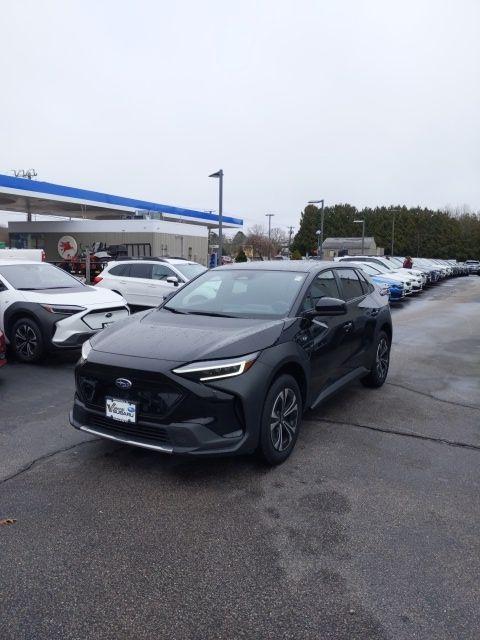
[(394, 211), (362, 222), (269, 216), (322, 218), (219, 175)]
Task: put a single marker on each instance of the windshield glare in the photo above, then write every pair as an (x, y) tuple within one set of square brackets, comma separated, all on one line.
[(38, 276), (190, 270), (239, 293)]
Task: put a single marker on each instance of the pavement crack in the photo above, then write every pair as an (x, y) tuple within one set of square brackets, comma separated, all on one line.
[(429, 395), (406, 434), (45, 457)]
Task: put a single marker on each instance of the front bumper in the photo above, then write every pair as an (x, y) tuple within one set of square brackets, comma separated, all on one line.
[(174, 415), (71, 331)]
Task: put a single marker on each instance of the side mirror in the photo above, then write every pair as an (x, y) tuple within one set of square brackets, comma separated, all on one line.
[(330, 307), (173, 280)]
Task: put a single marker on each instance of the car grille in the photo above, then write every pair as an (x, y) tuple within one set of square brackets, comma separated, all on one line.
[(129, 430), (155, 396)]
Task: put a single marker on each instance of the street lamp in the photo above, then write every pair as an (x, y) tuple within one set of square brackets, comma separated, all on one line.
[(394, 211), (269, 216), (219, 175), (319, 236), (318, 233), (362, 222)]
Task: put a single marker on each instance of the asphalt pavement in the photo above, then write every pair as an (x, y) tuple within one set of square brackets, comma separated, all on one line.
[(369, 531)]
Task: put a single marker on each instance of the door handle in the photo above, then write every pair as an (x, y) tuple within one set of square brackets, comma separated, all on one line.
[(348, 327), (122, 282)]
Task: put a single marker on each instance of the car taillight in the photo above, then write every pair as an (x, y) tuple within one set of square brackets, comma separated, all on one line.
[(97, 279), (44, 257)]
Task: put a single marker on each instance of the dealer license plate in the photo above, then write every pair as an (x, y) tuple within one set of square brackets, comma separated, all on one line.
[(120, 410)]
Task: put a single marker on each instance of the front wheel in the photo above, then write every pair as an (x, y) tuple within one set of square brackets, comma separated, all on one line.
[(281, 419), (379, 371), (27, 341)]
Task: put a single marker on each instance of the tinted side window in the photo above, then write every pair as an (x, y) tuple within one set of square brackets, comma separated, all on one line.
[(120, 270), (324, 286), (351, 285), (161, 272), (138, 270)]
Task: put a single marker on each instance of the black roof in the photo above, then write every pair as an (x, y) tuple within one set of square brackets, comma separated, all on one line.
[(303, 266)]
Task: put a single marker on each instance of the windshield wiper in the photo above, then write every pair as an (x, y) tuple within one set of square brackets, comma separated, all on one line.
[(174, 310), (209, 313)]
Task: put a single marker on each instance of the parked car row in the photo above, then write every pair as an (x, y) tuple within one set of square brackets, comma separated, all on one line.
[(398, 281), (226, 360)]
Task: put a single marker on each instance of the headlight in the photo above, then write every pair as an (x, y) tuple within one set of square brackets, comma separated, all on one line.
[(66, 310), (217, 369), (86, 348)]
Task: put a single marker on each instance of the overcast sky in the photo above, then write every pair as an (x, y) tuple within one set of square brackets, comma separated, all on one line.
[(367, 102)]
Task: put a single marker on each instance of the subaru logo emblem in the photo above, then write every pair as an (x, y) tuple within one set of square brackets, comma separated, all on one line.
[(109, 314), (123, 383)]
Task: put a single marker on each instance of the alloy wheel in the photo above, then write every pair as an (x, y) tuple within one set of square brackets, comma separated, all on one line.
[(284, 419), (26, 341), (383, 358)]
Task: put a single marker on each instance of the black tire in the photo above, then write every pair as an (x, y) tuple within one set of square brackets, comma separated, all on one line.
[(277, 442), (27, 341), (379, 371)]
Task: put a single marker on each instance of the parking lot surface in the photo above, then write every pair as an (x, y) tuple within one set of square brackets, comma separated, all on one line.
[(370, 530)]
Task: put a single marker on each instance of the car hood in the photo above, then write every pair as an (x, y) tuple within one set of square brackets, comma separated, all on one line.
[(81, 296), (399, 277), (164, 335), (387, 280)]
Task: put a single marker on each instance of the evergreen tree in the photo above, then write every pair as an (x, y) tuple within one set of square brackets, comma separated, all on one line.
[(305, 241), (241, 257)]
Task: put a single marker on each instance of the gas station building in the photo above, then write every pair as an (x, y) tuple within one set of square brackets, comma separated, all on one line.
[(90, 216)]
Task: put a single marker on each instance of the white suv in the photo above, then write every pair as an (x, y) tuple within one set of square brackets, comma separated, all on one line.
[(43, 308), (144, 283)]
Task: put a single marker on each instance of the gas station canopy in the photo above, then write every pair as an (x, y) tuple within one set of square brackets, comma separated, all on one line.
[(31, 197)]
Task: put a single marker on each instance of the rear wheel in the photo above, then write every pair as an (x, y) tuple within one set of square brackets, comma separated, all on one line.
[(281, 419), (379, 371), (27, 340)]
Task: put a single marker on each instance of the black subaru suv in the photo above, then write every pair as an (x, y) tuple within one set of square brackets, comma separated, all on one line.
[(229, 363)]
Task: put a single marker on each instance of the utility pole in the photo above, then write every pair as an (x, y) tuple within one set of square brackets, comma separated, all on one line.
[(290, 232), (269, 216), (219, 175)]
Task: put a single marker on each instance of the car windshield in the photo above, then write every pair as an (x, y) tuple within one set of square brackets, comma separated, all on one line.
[(30, 277), (372, 271), (190, 270), (382, 268), (396, 262), (239, 293)]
